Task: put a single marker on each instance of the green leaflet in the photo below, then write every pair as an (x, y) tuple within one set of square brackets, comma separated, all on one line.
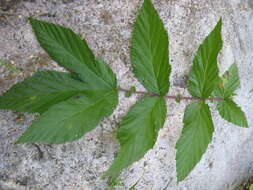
[(149, 52), (70, 120), (232, 113), (228, 83), (196, 135), (138, 132), (203, 77), (70, 51), (39, 92)]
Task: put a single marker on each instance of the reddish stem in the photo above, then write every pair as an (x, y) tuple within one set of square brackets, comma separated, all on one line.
[(170, 97)]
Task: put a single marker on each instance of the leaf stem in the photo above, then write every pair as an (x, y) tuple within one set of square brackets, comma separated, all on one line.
[(170, 96)]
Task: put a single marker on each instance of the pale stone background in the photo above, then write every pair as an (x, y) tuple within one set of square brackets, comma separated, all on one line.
[(107, 26)]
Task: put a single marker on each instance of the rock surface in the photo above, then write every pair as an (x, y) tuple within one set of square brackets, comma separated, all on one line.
[(107, 26)]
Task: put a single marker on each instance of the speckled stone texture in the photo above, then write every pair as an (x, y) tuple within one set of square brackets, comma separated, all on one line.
[(107, 26)]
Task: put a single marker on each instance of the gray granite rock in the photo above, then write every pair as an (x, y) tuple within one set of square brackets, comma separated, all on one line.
[(107, 26)]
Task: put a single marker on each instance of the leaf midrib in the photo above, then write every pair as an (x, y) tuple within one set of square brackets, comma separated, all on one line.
[(151, 56), (54, 93), (87, 108), (80, 62), (206, 68), (147, 115)]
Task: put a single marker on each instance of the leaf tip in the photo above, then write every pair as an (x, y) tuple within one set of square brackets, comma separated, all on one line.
[(220, 21), (245, 125), (31, 20), (19, 141), (147, 1), (22, 140), (108, 174), (234, 65), (218, 26), (180, 178)]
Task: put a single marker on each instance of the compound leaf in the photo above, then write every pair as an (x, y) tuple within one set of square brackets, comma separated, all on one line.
[(196, 135), (138, 132), (70, 120), (204, 77), (70, 51), (39, 92), (229, 82), (149, 52), (232, 113)]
